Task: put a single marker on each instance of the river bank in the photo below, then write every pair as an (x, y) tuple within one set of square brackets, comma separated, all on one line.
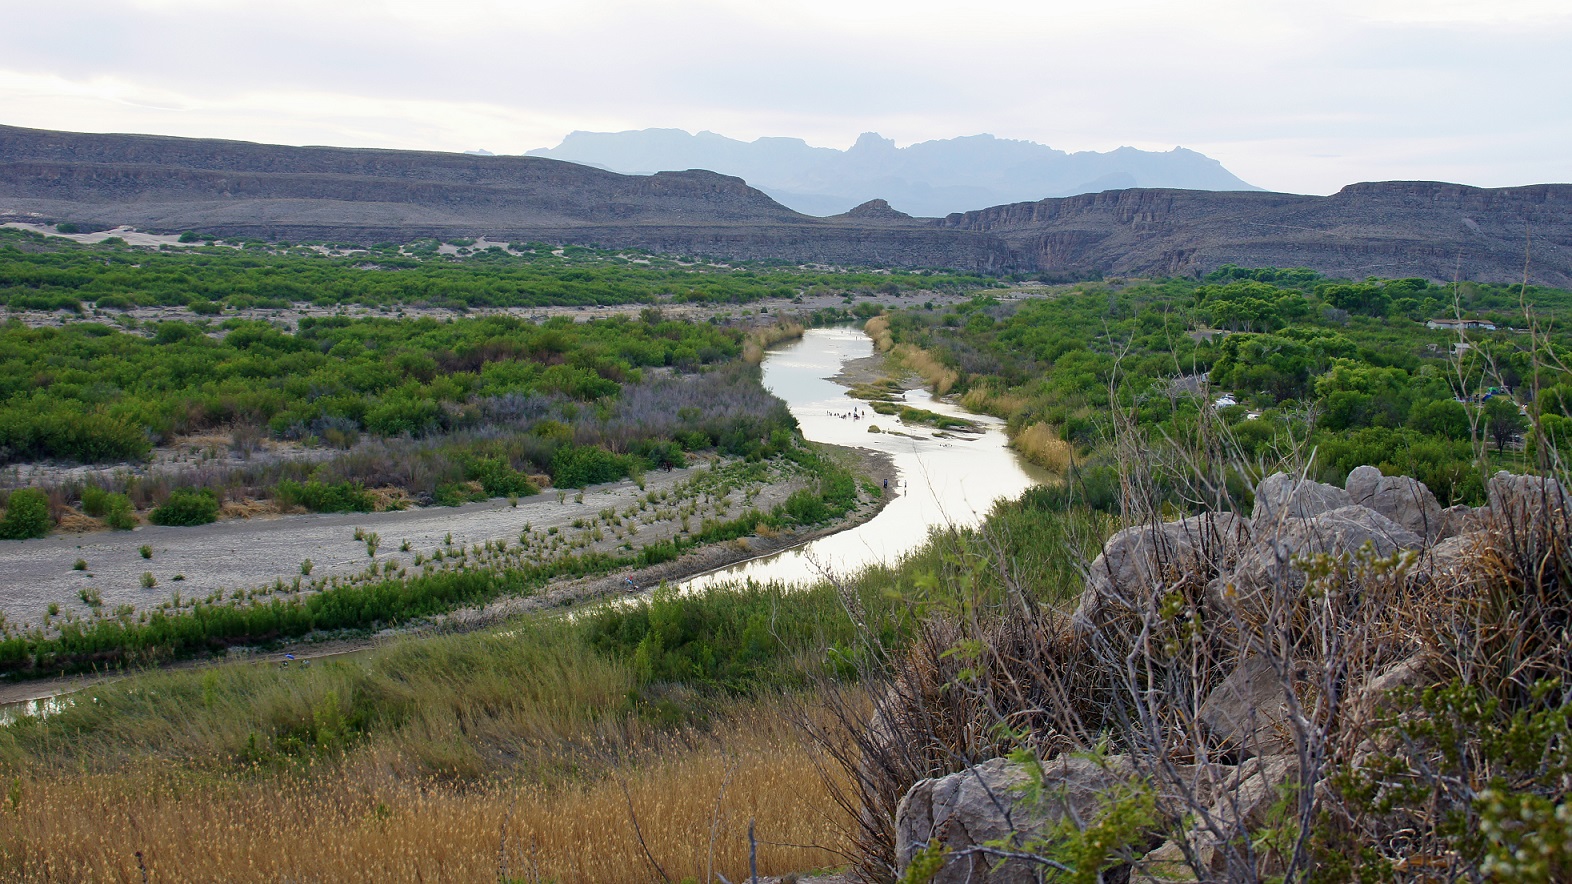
[(876, 469)]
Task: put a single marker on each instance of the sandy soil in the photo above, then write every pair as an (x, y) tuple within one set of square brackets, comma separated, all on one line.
[(245, 554), (131, 235)]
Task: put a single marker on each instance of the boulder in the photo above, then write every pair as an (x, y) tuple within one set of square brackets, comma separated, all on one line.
[(1248, 713), (1281, 494), (1462, 519), (1528, 500), (1402, 499), (1135, 560), (1367, 698), (1452, 556), (985, 803), (1361, 482), (1342, 531), (1221, 842)]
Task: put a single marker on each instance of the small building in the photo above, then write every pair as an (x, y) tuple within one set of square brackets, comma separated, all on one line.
[(1461, 325)]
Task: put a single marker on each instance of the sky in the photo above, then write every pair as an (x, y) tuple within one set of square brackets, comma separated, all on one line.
[(1300, 96)]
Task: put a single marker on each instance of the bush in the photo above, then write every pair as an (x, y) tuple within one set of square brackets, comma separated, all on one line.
[(95, 501), (186, 506), (575, 466), (26, 515), (321, 497), (119, 514)]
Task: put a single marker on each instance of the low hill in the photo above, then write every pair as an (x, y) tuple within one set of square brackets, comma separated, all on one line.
[(240, 189)]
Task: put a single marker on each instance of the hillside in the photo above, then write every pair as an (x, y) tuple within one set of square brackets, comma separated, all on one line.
[(929, 178), (238, 189)]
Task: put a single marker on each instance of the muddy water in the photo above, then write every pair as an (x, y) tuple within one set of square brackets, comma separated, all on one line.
[(945, 478)]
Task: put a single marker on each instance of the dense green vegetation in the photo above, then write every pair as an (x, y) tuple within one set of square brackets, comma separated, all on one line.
[(443, 410), (91, 393), (1348, 367), (41, 273)]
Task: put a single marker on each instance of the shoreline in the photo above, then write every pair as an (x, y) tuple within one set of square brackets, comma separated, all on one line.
[(572, 594)]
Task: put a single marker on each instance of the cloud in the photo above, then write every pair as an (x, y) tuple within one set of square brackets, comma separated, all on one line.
[(1290, 96)]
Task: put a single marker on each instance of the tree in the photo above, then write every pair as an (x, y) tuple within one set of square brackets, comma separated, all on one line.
[(1503, 421)]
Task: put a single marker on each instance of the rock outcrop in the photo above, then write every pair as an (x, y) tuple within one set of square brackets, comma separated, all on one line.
[(1248, 713), (1402, 499), (1144, 555), (987, 803), (1248, 726)]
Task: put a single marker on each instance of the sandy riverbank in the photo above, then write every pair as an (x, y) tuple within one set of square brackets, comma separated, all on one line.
[(567, 594)]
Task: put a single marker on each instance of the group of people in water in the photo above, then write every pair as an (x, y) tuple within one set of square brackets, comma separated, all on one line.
[(856, 414)]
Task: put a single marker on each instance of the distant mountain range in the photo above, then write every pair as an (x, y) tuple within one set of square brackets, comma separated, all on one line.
[(932, 179), (276, 192)]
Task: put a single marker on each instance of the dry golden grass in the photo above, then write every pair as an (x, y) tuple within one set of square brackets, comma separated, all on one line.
[(391, 497), (1040, 444), (247, 508), (354, 822), (74, 522), (762, 338), (878, 328), (986, 400), (939, 377)]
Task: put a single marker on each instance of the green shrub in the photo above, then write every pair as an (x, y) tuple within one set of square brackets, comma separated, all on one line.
[(26, 515), (95, 501), (323, 497), (575, 466), (499, 479), (119, 514), (186, 506)]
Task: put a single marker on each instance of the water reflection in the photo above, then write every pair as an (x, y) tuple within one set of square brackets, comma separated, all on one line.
[(945, 478)]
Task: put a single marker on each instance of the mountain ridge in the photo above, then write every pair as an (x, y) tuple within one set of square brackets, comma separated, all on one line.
[(243, 189), (929, 178)]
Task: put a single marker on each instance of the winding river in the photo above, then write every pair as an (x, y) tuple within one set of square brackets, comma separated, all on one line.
[(945, 478)]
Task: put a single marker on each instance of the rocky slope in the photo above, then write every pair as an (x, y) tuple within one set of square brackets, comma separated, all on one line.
[(239, 189), (1320, 605), (1391, 229)]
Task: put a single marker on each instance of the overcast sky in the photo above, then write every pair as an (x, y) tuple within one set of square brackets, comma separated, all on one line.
[(1292, 95)]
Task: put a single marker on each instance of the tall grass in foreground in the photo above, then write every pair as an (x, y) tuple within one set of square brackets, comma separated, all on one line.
[(506, 753), (693, 801)]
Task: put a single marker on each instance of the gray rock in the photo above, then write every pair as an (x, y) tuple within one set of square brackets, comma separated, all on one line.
[(1242, 807), (1361, 482), (1462, 519), (1450, 558), (1402, 499), (1368, 696), (1281, 494), (1248, 712), (984, 803), (1137, 559), (1528, 500), (1270, 562)]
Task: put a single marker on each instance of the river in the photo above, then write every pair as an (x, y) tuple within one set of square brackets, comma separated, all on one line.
[(950, 478)]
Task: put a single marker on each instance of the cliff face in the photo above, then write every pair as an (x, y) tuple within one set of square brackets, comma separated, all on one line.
[(1395, 228), (235, 189)]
